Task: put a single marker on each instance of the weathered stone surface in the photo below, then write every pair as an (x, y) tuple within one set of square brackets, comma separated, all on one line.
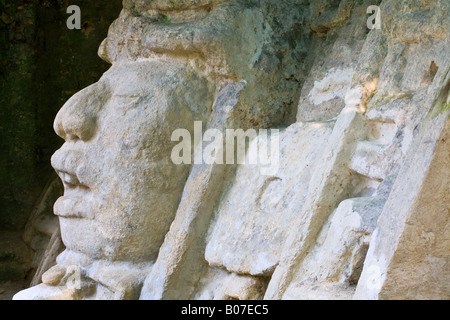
[(361, 181), (236, 40), (54, 275), (397, 97), (125, 126), (333, 267), (254, 215), (331, 74), (408, 255), (180, 263), (221, 285), (45, 292)]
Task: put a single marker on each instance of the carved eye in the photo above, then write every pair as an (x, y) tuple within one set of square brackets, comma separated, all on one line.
[(269, 195)]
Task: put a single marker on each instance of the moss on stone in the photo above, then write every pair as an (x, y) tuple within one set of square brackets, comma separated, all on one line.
[(162, 18)]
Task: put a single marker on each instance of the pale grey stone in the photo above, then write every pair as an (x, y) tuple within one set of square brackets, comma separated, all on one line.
[(254, 215), (358, 207)]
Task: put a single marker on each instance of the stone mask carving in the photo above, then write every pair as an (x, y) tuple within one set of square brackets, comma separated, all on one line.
[(121, 188), (138, 226)]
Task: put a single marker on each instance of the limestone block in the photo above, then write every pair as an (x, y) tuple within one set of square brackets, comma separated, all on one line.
[(408, 253), (217, 284), (332, 268), (54, 275), (211, 38), (327, 15), (331, 183), (254, 215), (45, 292), (180, 263), (367, 161), (331, 74)]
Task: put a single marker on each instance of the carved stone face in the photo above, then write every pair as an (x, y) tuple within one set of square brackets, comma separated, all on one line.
[(121, 188)]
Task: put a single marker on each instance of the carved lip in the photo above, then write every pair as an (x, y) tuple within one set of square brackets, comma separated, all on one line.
[(70, 179), (75, 206), (77, 201)]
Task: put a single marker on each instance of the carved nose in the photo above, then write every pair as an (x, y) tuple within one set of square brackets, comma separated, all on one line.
[(74, 122), (77, 119)]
